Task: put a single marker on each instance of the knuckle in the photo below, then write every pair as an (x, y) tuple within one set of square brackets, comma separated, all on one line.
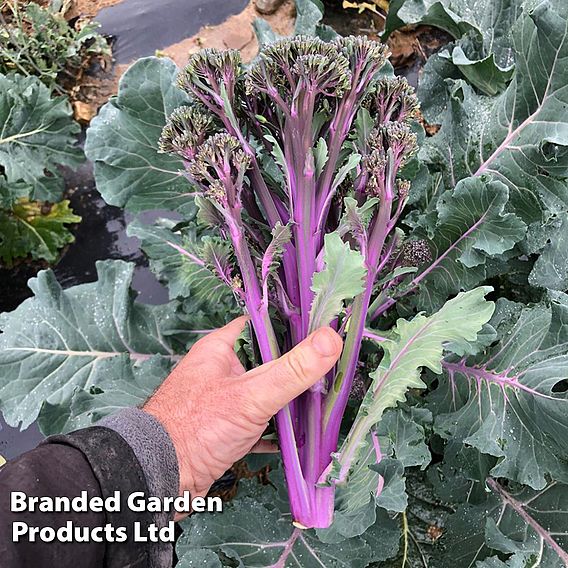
[(297, 365), (201, 343)]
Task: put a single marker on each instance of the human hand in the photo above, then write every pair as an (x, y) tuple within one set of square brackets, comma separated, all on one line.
[(215, 412)]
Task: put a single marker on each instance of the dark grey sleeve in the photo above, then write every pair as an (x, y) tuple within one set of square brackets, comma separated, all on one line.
[(156, 454), (115, 467), (128, 452)]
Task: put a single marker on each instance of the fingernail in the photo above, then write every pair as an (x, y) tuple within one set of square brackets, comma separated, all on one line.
[(325, 342)]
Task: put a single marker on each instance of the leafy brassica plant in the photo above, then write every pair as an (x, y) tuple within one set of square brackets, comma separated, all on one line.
[(295, 161), (38, 41), (38, 135)]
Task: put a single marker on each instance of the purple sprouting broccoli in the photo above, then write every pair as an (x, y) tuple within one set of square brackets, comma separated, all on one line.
[(295, 161)]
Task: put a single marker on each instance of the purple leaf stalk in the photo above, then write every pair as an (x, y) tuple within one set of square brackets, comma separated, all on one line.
[(295, 161)]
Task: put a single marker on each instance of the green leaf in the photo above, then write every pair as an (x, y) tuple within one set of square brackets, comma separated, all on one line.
[(12, 192), (516, 561), (496, 237), (349, 524), (281, 235), (61, 340), (551, 268), (482, 73), (402, 435), (364, 123), (125, 387), (433, 87), (251, 534), (471, 226), (503, 400), (411, 346), (521, 136), (278, 154), (265, 35), (40, 41), (188, 260), (460, 478), (396, 273), (482, 29), (443, 14), (340, 280), (29, 230), (393, 495), (356, 219), (351, 163), (38, 135), (401, 441), (321, 155), (309, 14), (199, 558), (519, 523), (122, 141)]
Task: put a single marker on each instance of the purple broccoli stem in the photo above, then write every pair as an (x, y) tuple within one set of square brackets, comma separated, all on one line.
[(270, 147)]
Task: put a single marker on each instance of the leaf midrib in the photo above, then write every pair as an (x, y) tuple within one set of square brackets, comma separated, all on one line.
[(513, 134), (519, 508), (92, 354), (27, 134)]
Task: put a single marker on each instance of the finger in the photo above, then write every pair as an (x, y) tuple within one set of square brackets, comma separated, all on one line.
[(216, 351), (273, 385), (226, 335), (265, 447)]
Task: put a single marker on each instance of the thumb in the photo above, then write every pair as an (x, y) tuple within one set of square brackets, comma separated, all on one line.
[(273, 385)]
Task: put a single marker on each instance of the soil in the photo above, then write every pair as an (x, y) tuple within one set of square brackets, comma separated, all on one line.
[(13, 282), (77, 264), (88, 8), (94, 91), (415, 44), (227, 486), (352, 22), (235, 33)]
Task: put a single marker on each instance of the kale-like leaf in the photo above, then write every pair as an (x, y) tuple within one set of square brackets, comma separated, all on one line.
[(29, 230), (91, 337), (508, 401), (37, 135), (520, 137), (122, 141)]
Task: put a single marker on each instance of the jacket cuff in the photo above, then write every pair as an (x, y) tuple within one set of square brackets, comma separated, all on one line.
[(154, 450), (157, 456)]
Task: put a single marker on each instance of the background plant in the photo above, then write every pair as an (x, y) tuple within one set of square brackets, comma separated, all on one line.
[(40, 54), (473, 469), (38, 40), (38, 136)]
